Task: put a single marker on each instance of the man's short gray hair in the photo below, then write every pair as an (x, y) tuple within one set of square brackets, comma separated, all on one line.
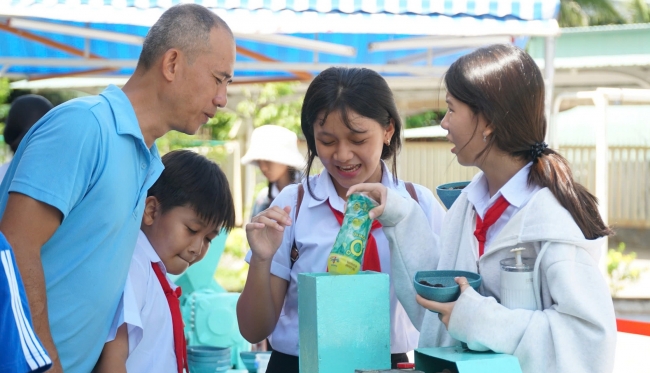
[(185, 27)]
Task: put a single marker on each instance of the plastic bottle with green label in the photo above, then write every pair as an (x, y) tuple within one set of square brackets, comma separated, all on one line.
[(347, 254)]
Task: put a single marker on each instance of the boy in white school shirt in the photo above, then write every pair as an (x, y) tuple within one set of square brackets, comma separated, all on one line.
[(184, 210)]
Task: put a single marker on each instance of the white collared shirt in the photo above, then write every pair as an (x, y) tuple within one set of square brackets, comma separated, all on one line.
[(315, 232), (145, 310), (516, 191)]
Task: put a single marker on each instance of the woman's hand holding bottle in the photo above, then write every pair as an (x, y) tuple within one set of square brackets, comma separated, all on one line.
[(377, 192)]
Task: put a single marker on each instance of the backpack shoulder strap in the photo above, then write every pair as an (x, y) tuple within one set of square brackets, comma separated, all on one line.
[(411, 189), (294, 249), (301, 193)]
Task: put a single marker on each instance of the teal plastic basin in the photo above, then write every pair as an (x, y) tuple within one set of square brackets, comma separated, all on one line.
[(248, 357), (450, 291), (450, 191)]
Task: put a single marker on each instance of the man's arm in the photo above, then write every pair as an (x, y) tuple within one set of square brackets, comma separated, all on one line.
[(115, 353), (28, 224)]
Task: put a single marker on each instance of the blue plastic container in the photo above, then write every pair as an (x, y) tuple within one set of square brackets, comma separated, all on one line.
[(450, 191), (208, 359), (449, 291), (248, 357), (207, 351), (207, 369), (211, 359)]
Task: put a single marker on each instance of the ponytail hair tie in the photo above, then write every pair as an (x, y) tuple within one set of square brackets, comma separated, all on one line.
[(537, 149)]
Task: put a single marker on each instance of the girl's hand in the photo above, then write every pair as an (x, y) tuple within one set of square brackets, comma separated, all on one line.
[(444, 309), (266, 230), (376, 191)]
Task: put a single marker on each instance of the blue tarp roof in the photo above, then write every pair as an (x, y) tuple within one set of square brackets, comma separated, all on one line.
[(354, 23)]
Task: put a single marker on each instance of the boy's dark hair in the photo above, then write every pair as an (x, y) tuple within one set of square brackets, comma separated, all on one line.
[(192, 180)]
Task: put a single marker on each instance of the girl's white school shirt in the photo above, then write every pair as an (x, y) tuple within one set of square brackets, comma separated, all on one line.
[(316, 230), (516, 191), (145, 310)]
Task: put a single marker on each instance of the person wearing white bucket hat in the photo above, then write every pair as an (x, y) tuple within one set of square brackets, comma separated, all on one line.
[(274, 150)]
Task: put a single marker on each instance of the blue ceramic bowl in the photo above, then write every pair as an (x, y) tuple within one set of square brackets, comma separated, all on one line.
[(449, 192), (219, 360), (198, 368), (449, 291), (248, 358), (208, 351)]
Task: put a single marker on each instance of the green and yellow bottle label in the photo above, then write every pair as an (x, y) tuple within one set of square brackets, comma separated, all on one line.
[(347, 254)]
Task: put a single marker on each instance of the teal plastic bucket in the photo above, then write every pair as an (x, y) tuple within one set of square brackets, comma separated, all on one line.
[(208, 359), (449, 192)]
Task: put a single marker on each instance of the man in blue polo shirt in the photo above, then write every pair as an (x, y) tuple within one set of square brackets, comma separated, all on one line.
[(74, 194)]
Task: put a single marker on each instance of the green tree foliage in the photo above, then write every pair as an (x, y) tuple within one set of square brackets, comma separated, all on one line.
[(428, 118), (4, 90), (4, 107), (639, 11), (577, 13), (55, 96), (273, 103), (232, 269), (574, 13), (620, 270)]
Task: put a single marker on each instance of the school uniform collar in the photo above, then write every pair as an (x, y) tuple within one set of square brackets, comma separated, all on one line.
[(148, 250), (323, 188), (516, 191)]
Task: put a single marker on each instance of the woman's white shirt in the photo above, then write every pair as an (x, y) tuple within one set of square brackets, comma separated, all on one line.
[(316, 230), (516, 191)]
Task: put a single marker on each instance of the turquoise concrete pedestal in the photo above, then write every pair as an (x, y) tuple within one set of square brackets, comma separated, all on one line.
[(344, 322), (457, 360)]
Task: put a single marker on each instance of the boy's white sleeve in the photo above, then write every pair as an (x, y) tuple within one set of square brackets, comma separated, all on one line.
[(118, 319), (131, 305), (132, 308)]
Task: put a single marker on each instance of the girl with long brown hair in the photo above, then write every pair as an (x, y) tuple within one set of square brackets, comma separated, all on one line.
[(524, 197)]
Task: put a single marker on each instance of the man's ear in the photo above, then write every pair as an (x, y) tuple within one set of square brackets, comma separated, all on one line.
[(170, 64), (152, 209)]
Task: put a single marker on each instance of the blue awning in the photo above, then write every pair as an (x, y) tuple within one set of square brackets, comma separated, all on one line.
[(397, 37)]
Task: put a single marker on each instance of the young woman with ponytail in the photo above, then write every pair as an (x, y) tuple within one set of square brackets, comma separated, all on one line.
[(524, 196)]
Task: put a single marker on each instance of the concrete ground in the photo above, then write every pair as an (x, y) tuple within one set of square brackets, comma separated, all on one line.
[(632, 353)]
